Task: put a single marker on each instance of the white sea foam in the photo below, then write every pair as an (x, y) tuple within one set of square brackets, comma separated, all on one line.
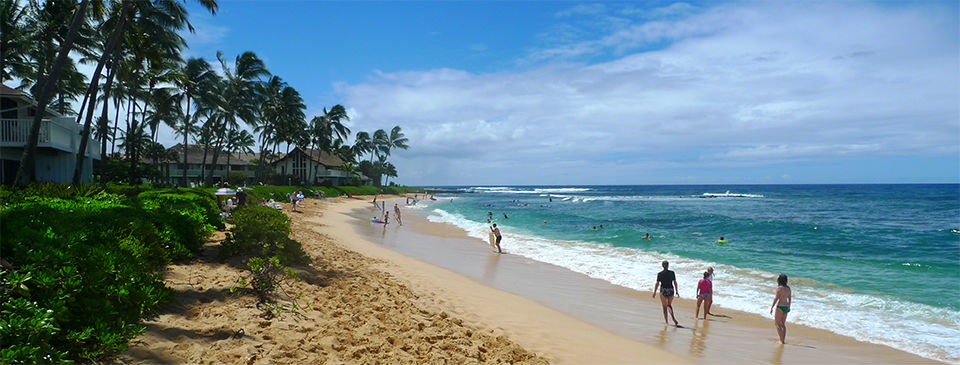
[(921, 329), (521, 190)]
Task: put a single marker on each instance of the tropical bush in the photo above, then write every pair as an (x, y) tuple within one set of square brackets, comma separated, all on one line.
[(261, 231), (236, 178), (82, 270)]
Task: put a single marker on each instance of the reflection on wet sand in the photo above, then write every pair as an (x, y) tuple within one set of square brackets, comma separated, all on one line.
[(777, 355), (490, 269), (698, 339)]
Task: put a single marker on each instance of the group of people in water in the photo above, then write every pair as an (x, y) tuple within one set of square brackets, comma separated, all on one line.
[(668, 289)]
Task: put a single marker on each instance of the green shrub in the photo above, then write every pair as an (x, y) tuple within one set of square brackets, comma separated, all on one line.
[(182, 219), (260, 231), (236, 178), (29, 329), (93, 264), (87, 265)]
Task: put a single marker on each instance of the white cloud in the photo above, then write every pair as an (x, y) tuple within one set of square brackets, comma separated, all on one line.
[(738, 85)]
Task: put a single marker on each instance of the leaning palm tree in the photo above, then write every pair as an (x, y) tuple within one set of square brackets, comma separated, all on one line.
[(335, 118), (381, 144), (151, 29), (26, 173), (362, 144), (397, 140)]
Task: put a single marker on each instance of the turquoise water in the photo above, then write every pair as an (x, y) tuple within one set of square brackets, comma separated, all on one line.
[(880, 263)]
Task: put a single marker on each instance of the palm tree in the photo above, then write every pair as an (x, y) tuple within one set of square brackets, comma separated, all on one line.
[(15, 40), (362, 144), (242, 93), (397, 140), (195, 83), (26, 172), (381, 144), (389, 171), (335, 118), (239, 141), (283, 119), (153, 27)]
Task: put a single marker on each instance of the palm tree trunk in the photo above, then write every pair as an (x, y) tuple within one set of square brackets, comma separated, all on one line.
[(216, 155), (132, 145), (261, 173), (103, 122), (27, 171), (186, 133), (203, 162), (112, 43)]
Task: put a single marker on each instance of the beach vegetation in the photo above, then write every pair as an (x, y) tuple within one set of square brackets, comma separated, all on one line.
[(82, 265), (261, 238), (236, 178)]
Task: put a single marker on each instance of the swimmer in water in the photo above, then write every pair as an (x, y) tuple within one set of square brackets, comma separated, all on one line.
[(647, 236)]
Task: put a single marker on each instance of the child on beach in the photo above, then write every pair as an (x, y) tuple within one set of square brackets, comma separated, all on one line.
[(667, 282), (781, 300), (704, 291)]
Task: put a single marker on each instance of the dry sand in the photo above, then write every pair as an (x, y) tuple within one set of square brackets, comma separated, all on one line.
[(357, 314)]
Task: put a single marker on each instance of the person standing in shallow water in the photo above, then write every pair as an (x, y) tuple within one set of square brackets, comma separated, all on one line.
[(396, 209), (496, 232), (781, 300), (667, 283)]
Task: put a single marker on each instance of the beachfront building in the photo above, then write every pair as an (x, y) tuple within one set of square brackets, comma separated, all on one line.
[(314, 167), (243, 162), (57, 146)]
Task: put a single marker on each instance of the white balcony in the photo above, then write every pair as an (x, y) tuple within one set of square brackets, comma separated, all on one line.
[(60, 133)]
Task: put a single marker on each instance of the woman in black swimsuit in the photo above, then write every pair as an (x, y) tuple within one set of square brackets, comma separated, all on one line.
[(667, 283)]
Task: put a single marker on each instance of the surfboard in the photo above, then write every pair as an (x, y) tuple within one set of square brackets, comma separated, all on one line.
[(493, 240)]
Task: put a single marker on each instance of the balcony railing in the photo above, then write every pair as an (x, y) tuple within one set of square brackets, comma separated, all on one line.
[(59, 134)]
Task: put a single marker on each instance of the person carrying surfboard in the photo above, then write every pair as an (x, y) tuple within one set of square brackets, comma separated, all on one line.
[(496, 232)]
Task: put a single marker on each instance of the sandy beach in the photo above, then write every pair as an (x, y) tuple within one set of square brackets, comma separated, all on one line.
[(427, 293)]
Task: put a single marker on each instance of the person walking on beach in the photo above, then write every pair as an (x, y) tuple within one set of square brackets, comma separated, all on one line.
[(781, 300), (667, 283), (496, 232), (396, 209), (710, 302), (704, 292)]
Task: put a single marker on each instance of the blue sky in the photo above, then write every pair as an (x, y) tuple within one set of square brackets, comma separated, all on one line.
[(496, 93)]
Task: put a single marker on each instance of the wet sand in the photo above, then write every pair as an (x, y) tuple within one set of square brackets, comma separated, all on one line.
[(737, 337)]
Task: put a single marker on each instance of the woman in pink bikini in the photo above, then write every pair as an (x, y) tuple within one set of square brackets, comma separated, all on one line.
[(704, 294)]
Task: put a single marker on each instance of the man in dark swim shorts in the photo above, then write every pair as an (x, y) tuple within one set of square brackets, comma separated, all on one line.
[(667, 282)]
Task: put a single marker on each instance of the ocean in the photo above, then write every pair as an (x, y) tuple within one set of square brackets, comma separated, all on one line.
[(879, 263)]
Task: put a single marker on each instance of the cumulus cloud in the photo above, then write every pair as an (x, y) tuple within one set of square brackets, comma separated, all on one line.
[(763, 83)]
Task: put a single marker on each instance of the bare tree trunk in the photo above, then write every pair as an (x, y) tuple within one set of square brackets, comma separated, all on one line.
[(27, 172)]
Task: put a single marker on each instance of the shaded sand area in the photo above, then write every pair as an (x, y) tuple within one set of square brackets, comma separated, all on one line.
[(427, 293)]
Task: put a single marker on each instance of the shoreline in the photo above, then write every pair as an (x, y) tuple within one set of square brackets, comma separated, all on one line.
[(550, 333), (626, 312)]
